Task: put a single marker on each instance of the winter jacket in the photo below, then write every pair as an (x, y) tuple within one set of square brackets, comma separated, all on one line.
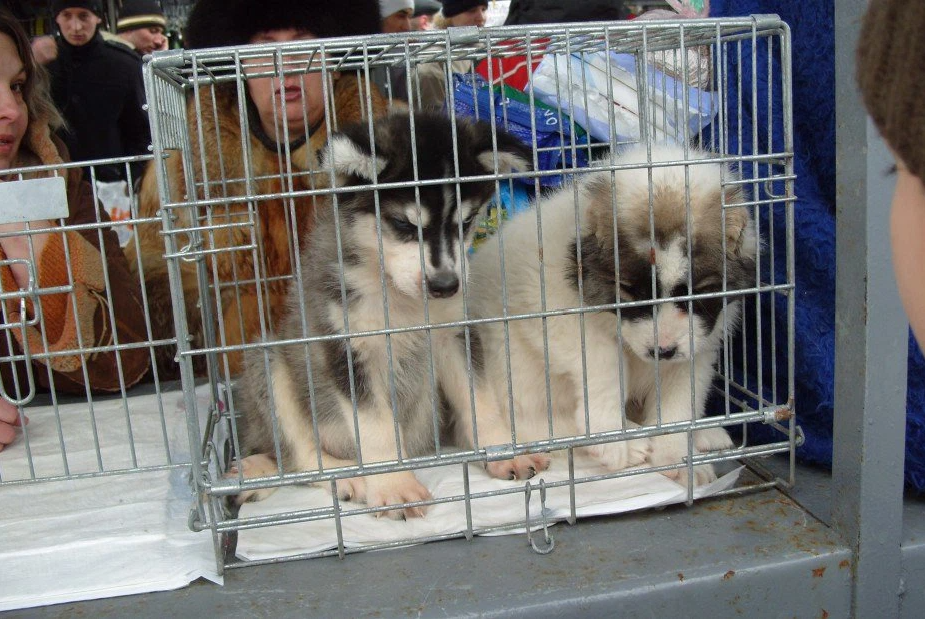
[(100, 91), (236, 300), (78, 320)]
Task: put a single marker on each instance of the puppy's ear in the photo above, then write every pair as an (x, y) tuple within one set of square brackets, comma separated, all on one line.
[(741, 240), (600, 211), (351, 157), (512, 154)]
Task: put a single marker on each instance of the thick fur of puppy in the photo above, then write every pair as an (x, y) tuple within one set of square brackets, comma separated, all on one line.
[(585, 252), (388, 374), (238, 316)]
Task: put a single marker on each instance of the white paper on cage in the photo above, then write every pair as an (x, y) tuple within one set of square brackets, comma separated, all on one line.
[(603, 497), (80, 539)]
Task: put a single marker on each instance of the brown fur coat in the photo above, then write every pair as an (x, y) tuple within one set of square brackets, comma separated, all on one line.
[(275, 226)]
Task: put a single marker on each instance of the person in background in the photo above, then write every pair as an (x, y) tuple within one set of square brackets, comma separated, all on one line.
[(523, 12), (396, 15), (462, 13), (98, 87), (142, 24), (284, 134), (429, 85), (424, 11), (891, 76), (85, 259)]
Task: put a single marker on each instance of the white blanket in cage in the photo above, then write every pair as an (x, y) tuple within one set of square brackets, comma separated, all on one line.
[(609, 496), (79, 539)]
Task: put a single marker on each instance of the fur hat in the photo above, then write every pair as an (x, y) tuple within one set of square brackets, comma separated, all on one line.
[(891, 74), (96, 6), (452, 8), (140, 14), (218, 23)]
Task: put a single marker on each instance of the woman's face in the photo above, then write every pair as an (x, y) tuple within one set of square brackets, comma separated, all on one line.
[(14, 116), (907, 229), (473, 17), (298, 98)]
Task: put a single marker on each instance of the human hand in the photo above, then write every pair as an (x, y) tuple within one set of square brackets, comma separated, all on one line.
[(45, 49), (9, 421)]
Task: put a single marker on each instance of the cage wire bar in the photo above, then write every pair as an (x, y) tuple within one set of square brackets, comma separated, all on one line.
[(214, 200), (76, 432)]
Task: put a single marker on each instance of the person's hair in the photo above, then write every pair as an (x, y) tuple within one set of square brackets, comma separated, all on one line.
[(36, 91), (891, 75), (440, 22)]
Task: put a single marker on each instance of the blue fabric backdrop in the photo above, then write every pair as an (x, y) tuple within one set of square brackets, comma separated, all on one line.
[(813, 47)]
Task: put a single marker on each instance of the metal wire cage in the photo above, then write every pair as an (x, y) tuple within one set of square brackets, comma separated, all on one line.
[(237, 206), (78, 341)]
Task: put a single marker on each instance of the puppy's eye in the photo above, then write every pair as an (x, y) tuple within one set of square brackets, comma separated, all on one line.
[(470, 219), (403, 225), (712, 284)]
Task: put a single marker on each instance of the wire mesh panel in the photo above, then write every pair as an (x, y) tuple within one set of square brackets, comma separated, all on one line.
[(452, 270), (78, 344)]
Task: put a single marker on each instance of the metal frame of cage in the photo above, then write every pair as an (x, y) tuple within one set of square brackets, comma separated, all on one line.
[(174, 78), (95, 434)]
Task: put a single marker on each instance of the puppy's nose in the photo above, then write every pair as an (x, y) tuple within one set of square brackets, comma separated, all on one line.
[(664, 352), (443, 284)]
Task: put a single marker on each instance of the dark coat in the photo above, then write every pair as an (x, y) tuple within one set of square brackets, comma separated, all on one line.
[(99, 89)]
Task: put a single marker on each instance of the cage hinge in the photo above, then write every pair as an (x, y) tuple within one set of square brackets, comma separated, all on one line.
[(463, 34), (495, 453), (766, 20), (168, 59)]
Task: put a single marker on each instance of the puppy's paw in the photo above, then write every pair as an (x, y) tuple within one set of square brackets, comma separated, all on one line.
[(672, 449), (703, 474), (520, 467), (395, 488), (257, 465), (252, 496), (712, 439), (350, 489), (622, 454)]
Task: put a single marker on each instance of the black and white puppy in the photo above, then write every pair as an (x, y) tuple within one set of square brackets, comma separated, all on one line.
[(388, 258), (658, 357)]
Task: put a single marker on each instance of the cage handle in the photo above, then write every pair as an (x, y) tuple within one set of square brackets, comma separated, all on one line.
[(26, 293), (548, 539)]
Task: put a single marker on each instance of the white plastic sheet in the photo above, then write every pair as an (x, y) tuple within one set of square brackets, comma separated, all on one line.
[(80, 539)]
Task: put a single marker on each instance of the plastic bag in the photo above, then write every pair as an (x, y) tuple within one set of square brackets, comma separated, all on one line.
[(473, 98), (578, 83)]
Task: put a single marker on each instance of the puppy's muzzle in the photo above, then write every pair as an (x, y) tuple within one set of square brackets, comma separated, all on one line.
[(443, 284), (664, 352)]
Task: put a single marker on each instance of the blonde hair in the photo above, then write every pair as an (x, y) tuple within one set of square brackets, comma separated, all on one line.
[(440, 20)]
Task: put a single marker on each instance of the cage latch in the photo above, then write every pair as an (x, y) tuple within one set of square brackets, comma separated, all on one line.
[(548, 539)]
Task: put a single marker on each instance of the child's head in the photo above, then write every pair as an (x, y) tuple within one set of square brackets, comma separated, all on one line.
[(891, 74)]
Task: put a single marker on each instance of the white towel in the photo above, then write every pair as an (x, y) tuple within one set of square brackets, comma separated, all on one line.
[(610, 496)]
